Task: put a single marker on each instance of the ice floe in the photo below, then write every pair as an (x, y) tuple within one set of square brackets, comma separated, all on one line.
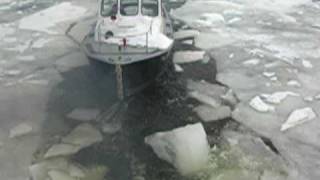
[(178, 68), (84, 114), (307, 64), (20, 130), (209, 114), (297, 117), (294, 83), (278, 97), (82, 136), (251, 62), (182, 57), (186, 148), (258, 104), (185, 34), (48, 20)]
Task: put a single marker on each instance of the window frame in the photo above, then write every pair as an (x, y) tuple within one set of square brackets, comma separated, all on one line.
[(102, 8), (157, 4), (135, 14)]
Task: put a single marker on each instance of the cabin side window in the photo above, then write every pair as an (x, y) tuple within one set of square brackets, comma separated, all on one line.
[(109, 7), (150, 8), (129, 7)]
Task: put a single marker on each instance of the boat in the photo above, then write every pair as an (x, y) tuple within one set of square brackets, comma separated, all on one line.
[(134, 37)]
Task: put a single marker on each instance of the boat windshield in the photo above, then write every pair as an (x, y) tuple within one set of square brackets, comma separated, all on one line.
[(109, 7), (129, 7), (150, 7)]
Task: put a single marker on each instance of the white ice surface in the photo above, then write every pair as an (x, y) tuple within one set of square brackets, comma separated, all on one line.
[(277, 97), (186, 147), (258, 104), (298, 117), (49, 19), (181, 57)]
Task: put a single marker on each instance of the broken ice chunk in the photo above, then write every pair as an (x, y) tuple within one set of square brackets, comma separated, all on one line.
[(178, 68), (258, 104), (187, 147), (269, 74), (293, 83), (182, 57), (278, 97), (20, 130), (307, 64), (83, 114), (298, 117), (251, 62), (209, 114), (231, 56), (185, 34), (206, 99)]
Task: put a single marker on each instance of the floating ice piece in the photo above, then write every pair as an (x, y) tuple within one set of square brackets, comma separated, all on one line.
[(14, 72), (213, 17), (111, 128), (10, 39), (251, 62), (41, 43), (185, 34), (258, 104), (51, 17), (234, 20), (232, 13), (61, 150), (274, 78), (206, 99), (298, 117), (269, 74), (307, 64), (178, 68), (186, 147), (293, 83), (231, 56), (82, 136), (278, 97), (210, 19), (26, 58), (60, 175), (209, 114), (83, 114), (182, 57), (20, 130), (308, 98)]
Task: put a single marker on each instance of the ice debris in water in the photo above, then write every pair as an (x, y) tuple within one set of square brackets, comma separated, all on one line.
[(186, 147), (293, 83), (307, 64), (185, 34), (83, 114), (258, 104), (20, 130), (52, 16), (269, 74), (182, 57), (178, 68), (251, 62), (278, 97), (298, 117)]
